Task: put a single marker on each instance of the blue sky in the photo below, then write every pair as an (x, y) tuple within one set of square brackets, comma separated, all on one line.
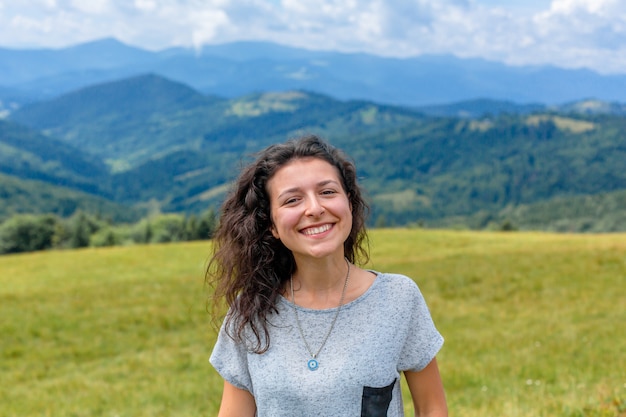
[(565, 33)]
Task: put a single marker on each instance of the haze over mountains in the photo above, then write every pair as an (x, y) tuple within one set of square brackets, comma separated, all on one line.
[(91, 131), (236, 69)]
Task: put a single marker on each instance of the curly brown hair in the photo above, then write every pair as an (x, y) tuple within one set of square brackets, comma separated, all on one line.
[(249, 266)]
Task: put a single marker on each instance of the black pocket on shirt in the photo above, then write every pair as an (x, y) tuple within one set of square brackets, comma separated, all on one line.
[(375, 402)]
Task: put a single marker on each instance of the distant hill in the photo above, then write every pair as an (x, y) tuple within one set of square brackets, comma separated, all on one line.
[(133, 121), (27, 154), (68, 68), (11, 100), (597, 213), (241, 68), (162, 144), (592, 107), (124, 121), (482, 107), (18, 196)]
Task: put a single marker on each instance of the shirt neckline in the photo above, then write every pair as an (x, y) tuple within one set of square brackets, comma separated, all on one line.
[(357, 300)]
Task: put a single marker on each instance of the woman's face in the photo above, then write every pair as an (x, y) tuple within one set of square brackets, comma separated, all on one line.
[(310, 210)]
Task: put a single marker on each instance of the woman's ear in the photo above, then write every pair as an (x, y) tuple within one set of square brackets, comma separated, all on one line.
[(274, 232)]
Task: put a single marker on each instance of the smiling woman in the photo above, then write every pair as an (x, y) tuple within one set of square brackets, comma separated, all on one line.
[(308, 332), (310, 209)]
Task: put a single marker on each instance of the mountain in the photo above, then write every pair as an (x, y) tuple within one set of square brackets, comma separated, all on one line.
[(11, 100), (241, 68), (603, 212), (123, 121), (21, 66), (39, 174), (19, 196), (483, 107), (137, 120), (166, 145), (457, 167), (28, 154), (592, 107)]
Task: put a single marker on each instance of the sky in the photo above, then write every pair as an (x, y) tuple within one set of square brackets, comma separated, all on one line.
[(564, 33)]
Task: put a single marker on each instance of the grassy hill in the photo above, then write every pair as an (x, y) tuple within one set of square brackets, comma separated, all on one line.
[(530, 322)]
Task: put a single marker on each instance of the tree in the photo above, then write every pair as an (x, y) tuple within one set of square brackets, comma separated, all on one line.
[(107, 236), (191, 227), (206, 225), (26, 233), (508, 226), (168, 228), (81, 231)]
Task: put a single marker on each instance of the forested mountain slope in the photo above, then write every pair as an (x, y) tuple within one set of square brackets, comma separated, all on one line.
[(19, 196), (28, 154), (162, 142)]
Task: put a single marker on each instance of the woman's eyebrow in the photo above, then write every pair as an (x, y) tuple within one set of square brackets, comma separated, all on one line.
[(326, 182), (296, 189)]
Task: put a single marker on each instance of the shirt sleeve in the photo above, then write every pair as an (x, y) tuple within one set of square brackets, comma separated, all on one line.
[(423, 341), (230, 360)]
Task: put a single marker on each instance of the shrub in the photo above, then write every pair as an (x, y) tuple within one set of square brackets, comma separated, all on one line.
[(26, 233), (168, 228)]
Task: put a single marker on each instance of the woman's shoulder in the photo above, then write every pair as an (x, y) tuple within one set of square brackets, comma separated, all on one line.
[(398, 284), (395, 278), (396, 294)]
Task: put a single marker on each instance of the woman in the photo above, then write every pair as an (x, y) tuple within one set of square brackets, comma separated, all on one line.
[(308, 333)]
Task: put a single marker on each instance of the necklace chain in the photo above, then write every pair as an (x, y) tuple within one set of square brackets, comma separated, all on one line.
[(332, 325)]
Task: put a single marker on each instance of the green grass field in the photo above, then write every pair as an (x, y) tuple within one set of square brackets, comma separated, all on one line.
[(534, 325)]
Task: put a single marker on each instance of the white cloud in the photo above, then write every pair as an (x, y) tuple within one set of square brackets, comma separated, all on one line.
[(206, 25), (584, 33), (91, 6), (145, 5), (572, 33)]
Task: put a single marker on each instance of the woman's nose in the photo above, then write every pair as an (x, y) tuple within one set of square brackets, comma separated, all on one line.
[(314, 208)]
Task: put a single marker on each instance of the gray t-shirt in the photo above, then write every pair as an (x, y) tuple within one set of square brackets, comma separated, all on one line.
[(385, 331)]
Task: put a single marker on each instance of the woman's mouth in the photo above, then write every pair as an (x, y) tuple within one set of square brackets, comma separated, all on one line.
[(310, 231)]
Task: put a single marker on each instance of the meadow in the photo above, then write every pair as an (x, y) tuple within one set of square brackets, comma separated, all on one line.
[(533, 322)]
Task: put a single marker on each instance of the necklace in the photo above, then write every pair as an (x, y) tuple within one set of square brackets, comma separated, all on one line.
[(312, 363)]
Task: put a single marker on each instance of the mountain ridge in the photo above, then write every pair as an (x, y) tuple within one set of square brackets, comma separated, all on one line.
[(28, 154), (415, 167), (240, 68), (149, 98)]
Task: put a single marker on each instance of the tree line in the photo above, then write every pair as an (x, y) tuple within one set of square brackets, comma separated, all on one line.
[(30, 232)]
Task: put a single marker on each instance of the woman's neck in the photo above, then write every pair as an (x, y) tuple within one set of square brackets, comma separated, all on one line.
[(319, 283)]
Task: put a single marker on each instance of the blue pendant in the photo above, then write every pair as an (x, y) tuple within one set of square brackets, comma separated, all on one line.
[(313, 365)]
